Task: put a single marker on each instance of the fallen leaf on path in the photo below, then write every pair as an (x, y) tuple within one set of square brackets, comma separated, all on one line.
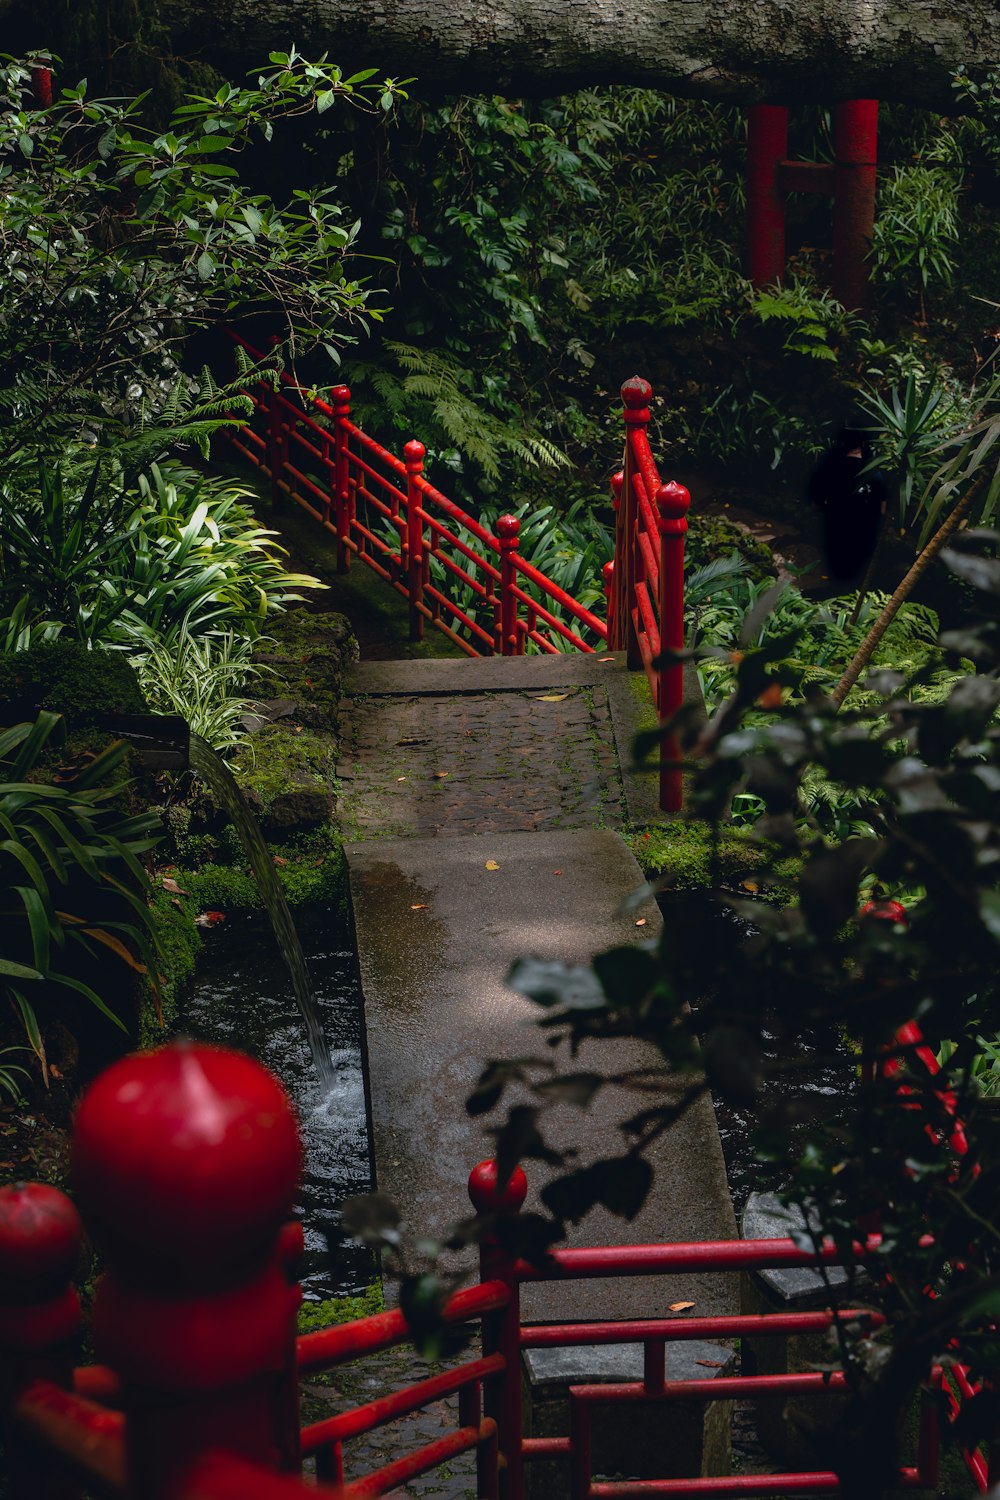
[(557, 872), (750, 885), (411, 740), (419, 906), (711, 1364), (170, 884), (491, 864), (679, 1306), (550, 697), (440, 775), (640, 921), (400, 778), (605, 658)]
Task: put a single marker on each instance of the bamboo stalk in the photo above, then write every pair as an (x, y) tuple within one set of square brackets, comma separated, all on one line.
[(920, 566)]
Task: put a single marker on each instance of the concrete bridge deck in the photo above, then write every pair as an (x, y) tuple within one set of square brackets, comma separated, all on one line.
[(449, 768)]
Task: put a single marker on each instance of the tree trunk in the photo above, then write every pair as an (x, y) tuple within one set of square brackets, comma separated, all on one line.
[(785, 51)]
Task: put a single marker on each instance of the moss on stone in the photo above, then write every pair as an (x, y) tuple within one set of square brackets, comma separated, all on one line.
[(685, 852), (334, 1311), (287, 775), (311, 869), (179, 944), (66, 678), (305, 659), (710, 537)]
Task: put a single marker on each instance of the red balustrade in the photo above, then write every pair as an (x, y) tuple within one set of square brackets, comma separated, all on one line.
[(458, 577), (185, 1164)]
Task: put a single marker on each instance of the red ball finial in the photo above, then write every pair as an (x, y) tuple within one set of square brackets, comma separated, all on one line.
[(507, 530), (636, 392), (414, 454), (40, 1234), (484, 1194), (186, 1154), (340, 395), (673, 501)]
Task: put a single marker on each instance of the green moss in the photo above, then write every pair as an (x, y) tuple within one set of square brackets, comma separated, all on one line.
[(310, 867), (685, 852), (68, 679), (280, 764), (305, 657), (709, 537), (180, 943), (336, 1310)]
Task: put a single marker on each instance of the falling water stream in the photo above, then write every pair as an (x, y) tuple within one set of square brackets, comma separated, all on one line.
[(216, 774)]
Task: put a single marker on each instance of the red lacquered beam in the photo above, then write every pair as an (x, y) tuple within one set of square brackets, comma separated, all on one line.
[(223, 1476), (376, 1413), (88, 1436), (97, 1383), (420, 1461), (716, 1255), (548, 618), (563, 1335), (646, 464), (442, 534), (545, 1447), (331, 1346), (460, 617), (579, 611), (370, 444), (818, 1483), (722, 1388)]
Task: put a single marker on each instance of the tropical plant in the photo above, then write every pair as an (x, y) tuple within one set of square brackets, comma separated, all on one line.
[(916, 230), (205, 681), (811, 322), (70, 876), (121, 567), (8, 1082), (120, 240)]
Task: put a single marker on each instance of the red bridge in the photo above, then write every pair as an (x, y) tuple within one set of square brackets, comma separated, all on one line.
[(185, 1164)]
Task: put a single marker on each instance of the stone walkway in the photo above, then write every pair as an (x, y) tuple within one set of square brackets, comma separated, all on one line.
[(482, 802)]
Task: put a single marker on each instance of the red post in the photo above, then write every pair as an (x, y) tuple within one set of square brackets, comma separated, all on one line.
[(767, 146), (856, 153), (502, 1330), (41, 87), (608, 575), (672, 502), (617, 641), (340, 399), (511, 643), (186, 1161), (635, 400), (40, 1237), (413, 453), (277, 438)]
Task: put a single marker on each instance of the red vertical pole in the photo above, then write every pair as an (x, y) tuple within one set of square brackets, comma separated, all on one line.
[(635, 400), (185, 1162), (856, 154), (767, 146), (672, 502), (511, 643), (608, 575), (617, 641), (502, 1330), (340, 399), (413, 453), (41, 87), (40, 1237)]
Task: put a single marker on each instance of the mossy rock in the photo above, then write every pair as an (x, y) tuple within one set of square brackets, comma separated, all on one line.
[(711, 537), (179, 943), (685, 854), (66, 678), (305, 662), (288, 778)]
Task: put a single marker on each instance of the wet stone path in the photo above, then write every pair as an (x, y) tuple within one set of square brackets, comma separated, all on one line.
[(493, 762)]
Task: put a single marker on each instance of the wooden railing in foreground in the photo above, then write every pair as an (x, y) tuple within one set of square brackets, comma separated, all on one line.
[(458, 577), (185, 1164)]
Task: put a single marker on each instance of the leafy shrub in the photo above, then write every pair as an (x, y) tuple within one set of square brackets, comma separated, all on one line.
[(202, 680), (917, 228), (70, 876)]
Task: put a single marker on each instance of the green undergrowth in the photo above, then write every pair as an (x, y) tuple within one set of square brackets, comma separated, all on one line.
[(68, 678), (180, 944), (333, 1311), (215, 874), (687, 856)]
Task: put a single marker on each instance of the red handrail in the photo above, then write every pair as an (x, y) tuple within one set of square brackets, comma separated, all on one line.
[(185, 1162), (384, 513)]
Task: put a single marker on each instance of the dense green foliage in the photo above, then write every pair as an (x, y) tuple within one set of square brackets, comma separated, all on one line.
[(66, 678)]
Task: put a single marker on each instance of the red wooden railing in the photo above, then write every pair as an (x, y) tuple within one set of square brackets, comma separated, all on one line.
[(384, 513), (185, 1164), (646, 581)]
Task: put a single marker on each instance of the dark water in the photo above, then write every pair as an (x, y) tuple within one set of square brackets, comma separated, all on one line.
[(820, 1073), (242, 998)]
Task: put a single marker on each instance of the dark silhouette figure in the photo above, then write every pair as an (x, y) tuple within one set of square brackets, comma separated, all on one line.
[(851, 504)]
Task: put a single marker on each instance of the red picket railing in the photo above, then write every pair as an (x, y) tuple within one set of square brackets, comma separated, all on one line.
[(185, 1162), (647, 582), (454, 573)]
